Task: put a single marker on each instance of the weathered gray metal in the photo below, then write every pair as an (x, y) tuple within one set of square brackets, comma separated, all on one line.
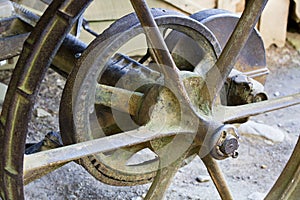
[(252, 57)]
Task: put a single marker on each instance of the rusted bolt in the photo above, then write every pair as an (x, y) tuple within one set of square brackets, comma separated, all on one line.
[(225, 143), (229, 147)]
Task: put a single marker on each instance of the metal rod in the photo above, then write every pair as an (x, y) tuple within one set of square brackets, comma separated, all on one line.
[(42, 160), (158, 46), (217, 76), (217, 177), (227, 113), (155, 39), (164, 178), (117, 98), (162, 55)]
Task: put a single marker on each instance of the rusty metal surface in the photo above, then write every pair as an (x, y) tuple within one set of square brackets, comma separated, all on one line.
[(23, 88), (241, 90), (217, 177), (97, 50)]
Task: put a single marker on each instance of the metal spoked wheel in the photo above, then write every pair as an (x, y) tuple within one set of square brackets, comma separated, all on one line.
[(195, 118), (121, 78)]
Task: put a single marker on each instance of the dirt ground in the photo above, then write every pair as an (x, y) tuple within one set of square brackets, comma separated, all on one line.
[(250, 176)]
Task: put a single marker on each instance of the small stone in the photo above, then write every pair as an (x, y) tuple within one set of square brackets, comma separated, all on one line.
[(137, 198), (203, 179), (185, 181), (42, 113), (267, 132), (256, 196), (72, 197), (2, 62), (3, 89), (279, 125), (269, 142), (263, 166), (77, 192), (277, 94)]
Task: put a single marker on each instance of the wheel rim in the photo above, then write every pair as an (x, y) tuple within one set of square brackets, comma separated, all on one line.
[(22, 91)]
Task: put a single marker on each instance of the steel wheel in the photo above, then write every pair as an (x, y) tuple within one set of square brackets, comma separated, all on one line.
[(41, 45), (121, 72), (30, 71)]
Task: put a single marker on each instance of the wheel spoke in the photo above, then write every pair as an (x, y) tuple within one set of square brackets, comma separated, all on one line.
[(161, 53), (117, 98), (227, 113), (39, 162), (121, 156), (163, 179), (217, 177), (217, 76), (170, 160)]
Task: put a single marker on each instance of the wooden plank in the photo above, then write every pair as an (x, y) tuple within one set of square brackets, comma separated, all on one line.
[(236, 6), (192, 6), (107, 10), (103, 10), (273, 22)]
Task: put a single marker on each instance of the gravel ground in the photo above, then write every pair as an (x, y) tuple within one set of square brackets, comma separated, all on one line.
[(250, 176)]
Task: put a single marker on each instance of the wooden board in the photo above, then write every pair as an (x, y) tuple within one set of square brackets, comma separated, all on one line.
[(192, 6), (115, 9), (236, 6), (103, 10), (273, 22), (102, 13)]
